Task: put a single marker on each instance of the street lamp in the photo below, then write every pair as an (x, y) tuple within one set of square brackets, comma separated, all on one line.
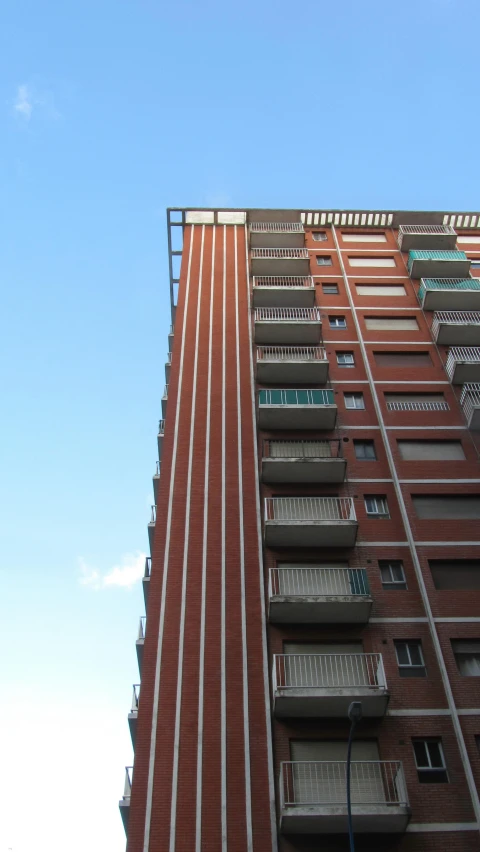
[(354, 714)]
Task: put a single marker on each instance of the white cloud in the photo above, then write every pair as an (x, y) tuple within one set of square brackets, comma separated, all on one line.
[(126, 574), (23, 103), (30, 99)]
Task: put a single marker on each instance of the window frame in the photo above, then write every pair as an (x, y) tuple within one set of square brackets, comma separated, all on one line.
[(324, 260), (430, 770), (377, 514), (345, 354), (335, 321), (365, 443), (354, 394), (458, 654), (411, 669), (390, 585), (334, 291), (319, 236)]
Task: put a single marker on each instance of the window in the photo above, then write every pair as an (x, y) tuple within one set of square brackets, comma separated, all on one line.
[(391, 323), (469, 238), (330, 289), (354, 400), (430, 450), (392, 574), (453, 506), (364, 238), (475, 264), (319, 236), (430, 761), (378, 260), (337, 322), (477, 742), (410, 658), (455, 573), (416, 402), (467, 656), (404, 359), (324, 260), (376, 506), (381, 290), (365, 450), (345, 359)]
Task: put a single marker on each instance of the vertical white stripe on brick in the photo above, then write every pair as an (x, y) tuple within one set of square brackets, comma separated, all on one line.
[(223, 685), (158, 662)]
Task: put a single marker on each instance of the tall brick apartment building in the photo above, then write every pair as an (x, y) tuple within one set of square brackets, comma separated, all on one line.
[(315, 538)]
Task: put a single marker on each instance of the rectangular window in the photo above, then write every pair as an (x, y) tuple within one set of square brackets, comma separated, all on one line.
[(410, 658), (337, 322), (391, 323), (376, 506), (365, 450), (378, 260), (447, 506), (392, 574), (324, 260), (430, 761), (380, 290), (364, 238), (330, 289), (402, 359), (354, 400), (430, 450), (455, 574), (416, 402), (475, 264), (319, 236), (469, 238), (467, 656), (345, 359)]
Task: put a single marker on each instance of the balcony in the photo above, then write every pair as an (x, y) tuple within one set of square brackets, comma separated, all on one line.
[(312, 595), (470, 402), (313, 797), (296, 409), (290, 364), (297, 326), (303, 461), (146, 578), (446, 264), (168, 365), (124, 803), (456, 328), (323, 685), (426, 237), (156, 481), (141, 640), (283, 291), (463, 364), (277, 235), (160, 437), (171, 335), (133, 715), (310, 522), (418, 406), (280, 261), (439, 294), (151, 527), (164, 401)]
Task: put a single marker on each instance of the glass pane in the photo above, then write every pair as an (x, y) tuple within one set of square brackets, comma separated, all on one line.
[(402, 653), (301, 396), (275, 397), (420, 750), (436, 759), (415, 654), (397, 571)]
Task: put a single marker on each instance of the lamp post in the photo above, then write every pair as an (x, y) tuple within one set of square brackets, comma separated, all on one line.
[(354, 714)]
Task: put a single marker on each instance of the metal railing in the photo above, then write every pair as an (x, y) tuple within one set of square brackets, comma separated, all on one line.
[(142, 628), (451, 284), (309, 509), (148, 566), (470, 398), (169, 357), (127, 790), (328, 671), (418, 406), (277, 227), (433, 230), (291, 353), (311, 580), (161, 427), (461, 354), (287, 315), (165, 392), (454, 318), (171, 330), (299, 396), (279, 253), (301, 449), (157, 468), (283, 281), (135, 697), (153, 517), (324, 782)]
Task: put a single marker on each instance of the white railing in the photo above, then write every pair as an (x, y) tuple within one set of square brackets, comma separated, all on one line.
[(454, 318), (324, 582), (148, 566), (470, 398), (461, 354), (301, 449), (157, 468), (291, 353), (309, 509), (324, 782), (153, 517), (279, 253), (142, 628), (169, 357), (283, 281), (277, 227), (430, 230), (127, 790), (328, 671), (165, 392), (135, 697), (161, 427), (417, 406), (287, 315)]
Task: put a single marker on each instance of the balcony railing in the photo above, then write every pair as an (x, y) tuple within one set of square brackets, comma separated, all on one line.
[(153, 516), (142, 628), (450, 328), (301, 449), (135, 697), (291, 353), (309, 509), (280, 253), (165, 392), (418, 259), (277, 227), (283, 281), (322, 582), (289, 315), (449, 284), (148, 567), (428, 236), (463, 363), (161, 427), (292, 396), (454, 318), (323, 783), (127, 790), (417, 406), (328, 671), (470, 402)]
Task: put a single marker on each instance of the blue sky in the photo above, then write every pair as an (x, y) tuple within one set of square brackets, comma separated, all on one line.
[(109, 113)]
